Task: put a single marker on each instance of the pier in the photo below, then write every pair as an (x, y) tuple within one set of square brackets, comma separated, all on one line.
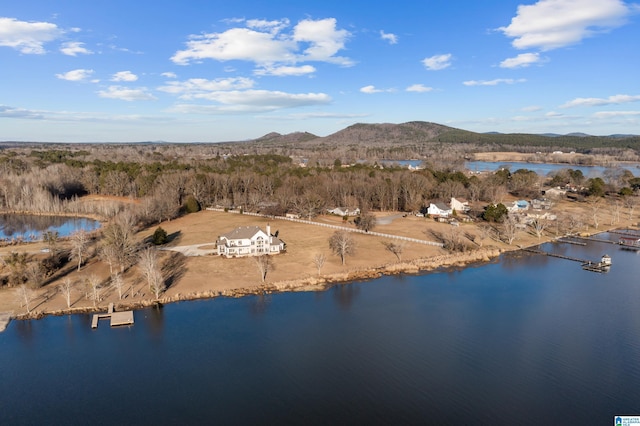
[(576, 243), (587, 265), (560, 256), (116, 318)]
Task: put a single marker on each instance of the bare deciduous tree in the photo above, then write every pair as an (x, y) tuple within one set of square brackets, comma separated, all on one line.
[(630, 203), (93, 287), (264, 263), (395, 248), (35, 274), (509, 230), (148, 263), (594, 208), (318, 260), (65, 287), (119, 239), (79, 243), (25, 295), (118, 283), (342, 244), (539, 224)]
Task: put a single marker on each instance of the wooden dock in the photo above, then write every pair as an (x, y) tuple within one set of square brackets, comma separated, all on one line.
[(597, 240), (587, 265), (560, 256), (577, 243), (116, 318)]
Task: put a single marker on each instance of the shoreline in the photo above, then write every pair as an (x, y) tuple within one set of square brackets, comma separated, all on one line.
[(307, 282), (317, 283)]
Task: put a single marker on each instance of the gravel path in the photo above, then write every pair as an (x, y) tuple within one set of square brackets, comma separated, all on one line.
[(194, 250)]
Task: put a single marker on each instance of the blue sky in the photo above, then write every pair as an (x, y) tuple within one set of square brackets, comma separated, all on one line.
[(208, 71)]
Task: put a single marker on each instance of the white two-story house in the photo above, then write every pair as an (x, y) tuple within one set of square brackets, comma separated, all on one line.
[(249, 241)]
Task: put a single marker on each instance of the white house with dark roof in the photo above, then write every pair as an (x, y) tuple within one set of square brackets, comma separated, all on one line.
[(249, 241), (439, 209)]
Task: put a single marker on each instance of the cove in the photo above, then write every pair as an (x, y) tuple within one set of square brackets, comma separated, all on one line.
[(32, 227), (526, 340)]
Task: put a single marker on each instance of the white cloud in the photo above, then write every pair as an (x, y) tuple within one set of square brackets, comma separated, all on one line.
[(370, 89), (169, 74), (324, 39), (391, 38), (273, 27), (13, 112), (124, 76), (73, 48), (611, 100), (420, 88), (251, 101), (27, 37), (494, 82), (521, 61), (265, 43), (126, 94), (551, 24), (437, 62), (75, 75), (236, 44), (614, 114), (195, 87), (532, 108), (284, 70)]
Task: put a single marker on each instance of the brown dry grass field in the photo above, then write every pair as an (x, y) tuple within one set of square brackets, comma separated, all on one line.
[(211, 274)]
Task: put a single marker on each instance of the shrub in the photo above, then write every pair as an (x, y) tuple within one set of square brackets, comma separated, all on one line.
[(192, 205), (159, 237)]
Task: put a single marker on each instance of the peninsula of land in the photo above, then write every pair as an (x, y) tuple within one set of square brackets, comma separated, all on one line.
[(193, 269)]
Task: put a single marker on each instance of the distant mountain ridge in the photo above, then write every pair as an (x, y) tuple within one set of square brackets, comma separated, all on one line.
[(422, 132)]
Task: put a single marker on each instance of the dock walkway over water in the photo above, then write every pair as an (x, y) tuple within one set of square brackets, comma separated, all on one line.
[(116, 318), (588, 265)]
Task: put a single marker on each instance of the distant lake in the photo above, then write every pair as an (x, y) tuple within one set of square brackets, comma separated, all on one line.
[(32, 227), (543, 169), (526, 340)]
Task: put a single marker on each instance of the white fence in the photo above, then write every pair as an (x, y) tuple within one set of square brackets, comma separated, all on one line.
[(327, 225)]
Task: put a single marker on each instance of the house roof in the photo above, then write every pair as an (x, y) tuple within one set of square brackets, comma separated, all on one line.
[(243, 232), (442, 206)]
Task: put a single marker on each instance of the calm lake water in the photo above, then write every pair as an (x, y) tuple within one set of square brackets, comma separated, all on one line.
[(528, 340), (543, 169), (31, 227)]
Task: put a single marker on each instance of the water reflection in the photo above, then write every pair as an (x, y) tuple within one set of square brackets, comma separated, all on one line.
[(31, 227), (155, 321), (258, 304), (345, 295)]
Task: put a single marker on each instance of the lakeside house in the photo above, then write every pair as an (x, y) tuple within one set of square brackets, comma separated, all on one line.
[(249, 241), (439, 210)]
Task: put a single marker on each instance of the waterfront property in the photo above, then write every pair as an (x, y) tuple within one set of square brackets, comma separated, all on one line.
[(527, 340), (249, 241)]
